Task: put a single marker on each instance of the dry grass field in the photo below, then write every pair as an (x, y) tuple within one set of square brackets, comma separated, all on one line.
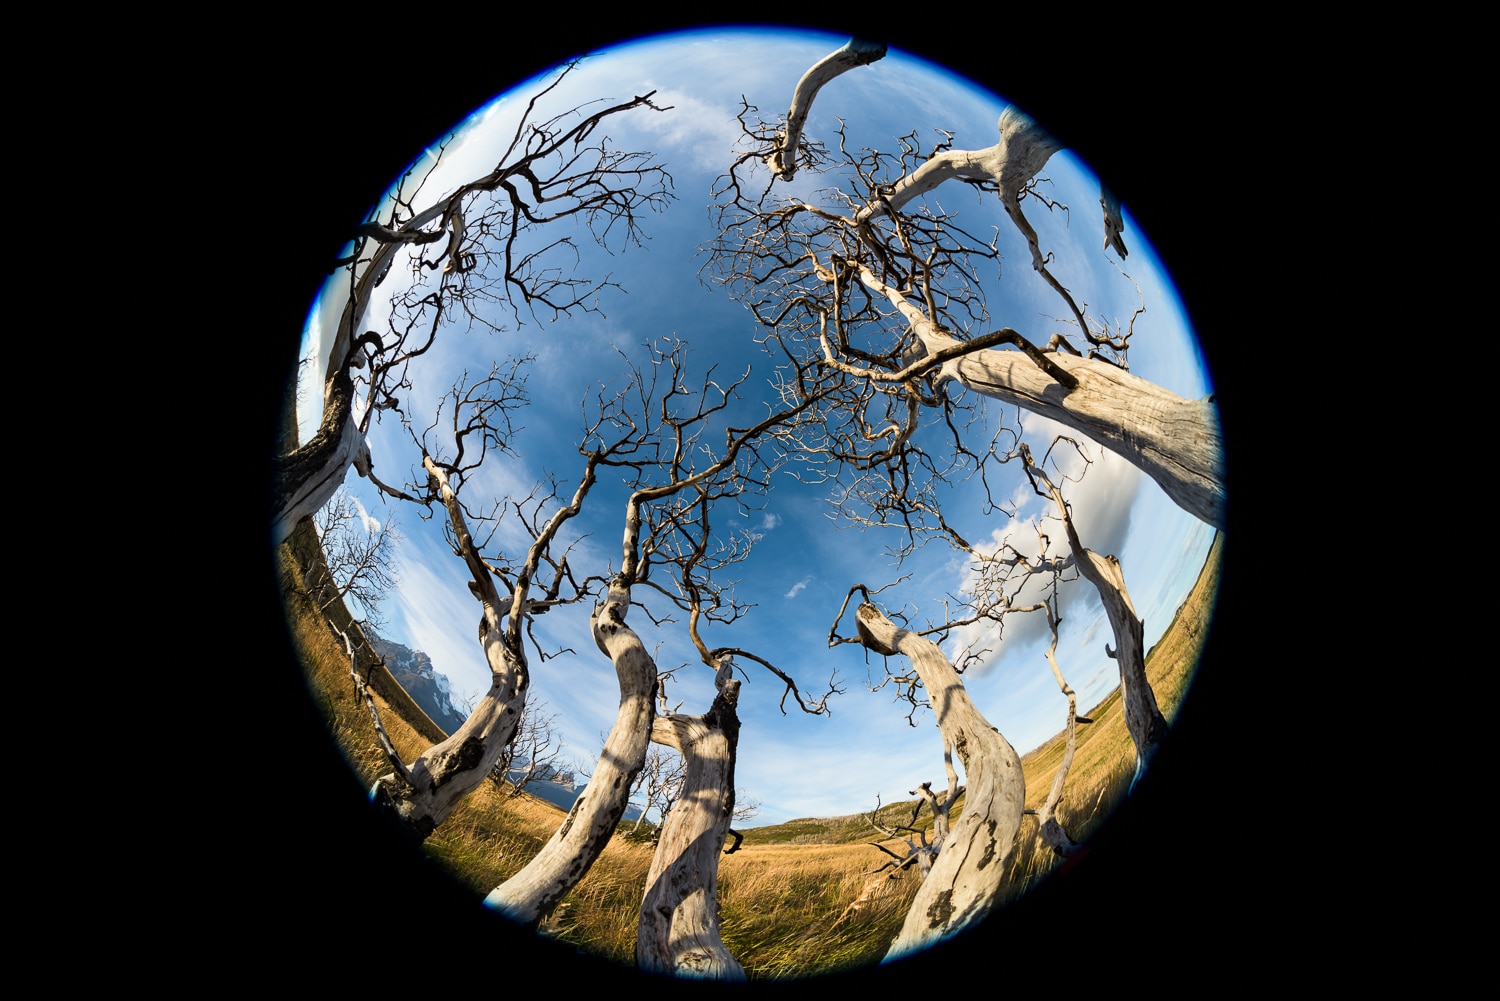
[(794, 899)]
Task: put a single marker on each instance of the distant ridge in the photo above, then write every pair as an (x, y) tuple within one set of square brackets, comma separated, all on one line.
[(414, 672)]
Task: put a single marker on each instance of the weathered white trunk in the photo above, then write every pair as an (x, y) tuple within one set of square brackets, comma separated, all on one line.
[(445, 773), (309, 475), (783, 162), (679, 926), (963, 883), (566, 858), (1175, 441), (1143, 718)]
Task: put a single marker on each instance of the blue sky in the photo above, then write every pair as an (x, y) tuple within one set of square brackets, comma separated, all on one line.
[(802, 564)]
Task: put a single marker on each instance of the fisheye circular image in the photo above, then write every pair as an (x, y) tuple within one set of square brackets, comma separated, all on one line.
[(750, 504)]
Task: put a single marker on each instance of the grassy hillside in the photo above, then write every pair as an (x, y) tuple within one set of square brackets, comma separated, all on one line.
[(796, 899)]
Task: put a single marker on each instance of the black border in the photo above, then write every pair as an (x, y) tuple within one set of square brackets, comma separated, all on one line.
[(323, 124)]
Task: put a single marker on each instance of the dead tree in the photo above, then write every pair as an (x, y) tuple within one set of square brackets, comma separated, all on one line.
[(1143, 719), (359, 561), (824, 278), (1051, 829), (1003, 577), (462, 253), (679, 925), (422, 794), (659, 784), (660, 442), (473, 423), (921, 852), (537, 743), (964, 881), (679, 922), (918, 852), (941, 807), (566, 858)]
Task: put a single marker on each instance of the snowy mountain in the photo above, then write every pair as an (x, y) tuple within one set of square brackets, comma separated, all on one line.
[(413, 670)]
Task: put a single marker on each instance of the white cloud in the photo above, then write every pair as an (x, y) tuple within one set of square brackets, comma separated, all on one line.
[(705, 128), (1100, 489), (371, 523), (798, 587)]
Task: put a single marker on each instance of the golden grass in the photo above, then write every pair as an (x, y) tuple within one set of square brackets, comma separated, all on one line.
[(788, 910), (786, 895)]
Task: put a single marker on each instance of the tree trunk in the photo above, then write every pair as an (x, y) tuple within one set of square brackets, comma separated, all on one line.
[(532, 893), (310, 474), (305, 478), (679, 926), (1175, 441), (422, 795), (1023, 150), (445, 773), (962, 885), (1147, 726)]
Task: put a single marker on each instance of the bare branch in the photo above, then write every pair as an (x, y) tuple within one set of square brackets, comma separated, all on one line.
[(1052, 831), (359, 556), (822, 279), (553, 169), (1147, 726), (783, 160)]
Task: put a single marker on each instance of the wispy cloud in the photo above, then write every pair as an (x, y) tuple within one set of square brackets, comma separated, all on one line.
[(371, 523), (798, 587), (707, 127)]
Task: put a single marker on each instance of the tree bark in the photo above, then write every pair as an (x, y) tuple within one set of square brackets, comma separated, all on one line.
[(962, 885), (443, 774), (310, 474), (566, 858), (1175, 441), (306, 478), (783, 161), (679, 925), (1147, 726), (1143, 719)]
